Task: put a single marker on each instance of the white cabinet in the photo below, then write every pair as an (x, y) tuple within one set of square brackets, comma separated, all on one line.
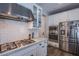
[(30, 53), (42, 48), (26, 51), (37, 12)]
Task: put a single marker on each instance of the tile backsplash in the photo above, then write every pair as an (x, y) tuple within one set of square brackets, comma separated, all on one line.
[(12, 31)]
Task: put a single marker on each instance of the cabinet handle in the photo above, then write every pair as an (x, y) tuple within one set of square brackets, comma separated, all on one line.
[(45, 42), (32, 55), (40, 44)]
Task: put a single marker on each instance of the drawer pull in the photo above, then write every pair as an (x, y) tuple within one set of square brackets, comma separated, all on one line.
[(32, 55), (45, 42), (40, 44)]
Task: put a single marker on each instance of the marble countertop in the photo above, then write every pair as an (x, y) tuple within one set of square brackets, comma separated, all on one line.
[(37, 40)]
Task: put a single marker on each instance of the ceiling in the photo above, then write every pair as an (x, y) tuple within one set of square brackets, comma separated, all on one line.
[(53, 8)]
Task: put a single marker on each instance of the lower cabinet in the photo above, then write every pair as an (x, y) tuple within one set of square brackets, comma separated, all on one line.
[(26, 51), (42, 49), (31, 53), (38, 49)]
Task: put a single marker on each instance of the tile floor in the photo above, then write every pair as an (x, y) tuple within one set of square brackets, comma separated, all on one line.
[(52, 51)]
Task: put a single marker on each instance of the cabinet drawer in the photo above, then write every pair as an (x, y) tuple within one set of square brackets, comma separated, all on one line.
[(43, 43), (30, 53), (21, 51), (42, 48)]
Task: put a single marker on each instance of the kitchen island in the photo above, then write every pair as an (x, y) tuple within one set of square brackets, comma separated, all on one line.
[(37, 48)]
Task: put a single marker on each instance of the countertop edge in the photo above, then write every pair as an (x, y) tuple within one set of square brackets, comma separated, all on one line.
[(37, 40)]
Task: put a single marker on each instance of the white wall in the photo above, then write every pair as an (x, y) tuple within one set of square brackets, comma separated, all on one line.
[(12, 31), (63, 16), (73, 14)]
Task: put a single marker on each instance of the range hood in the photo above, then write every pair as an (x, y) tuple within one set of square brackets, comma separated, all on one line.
[(13, 11)]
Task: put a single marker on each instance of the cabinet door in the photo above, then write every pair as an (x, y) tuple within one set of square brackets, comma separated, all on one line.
[(45, 47), (37, 12), (4, 7), (31, 53), (19, 10), (42, 49), (26, 51), (35, 16), (39, 18)]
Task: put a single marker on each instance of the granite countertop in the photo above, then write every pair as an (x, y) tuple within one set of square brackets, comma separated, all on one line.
[(37, 40)]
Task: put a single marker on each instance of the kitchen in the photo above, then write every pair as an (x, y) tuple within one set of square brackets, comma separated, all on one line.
[(32, 29), (18, 35)]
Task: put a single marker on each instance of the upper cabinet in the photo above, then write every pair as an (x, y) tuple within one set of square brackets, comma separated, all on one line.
[(13, 9), (4, 7), (37, 12), (20, 10)]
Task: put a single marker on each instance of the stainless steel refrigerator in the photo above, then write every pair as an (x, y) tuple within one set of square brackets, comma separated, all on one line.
[(63, 38), (69, 36)]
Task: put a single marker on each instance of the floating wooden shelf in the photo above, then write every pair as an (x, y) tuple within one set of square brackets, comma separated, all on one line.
[(12, 17)]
